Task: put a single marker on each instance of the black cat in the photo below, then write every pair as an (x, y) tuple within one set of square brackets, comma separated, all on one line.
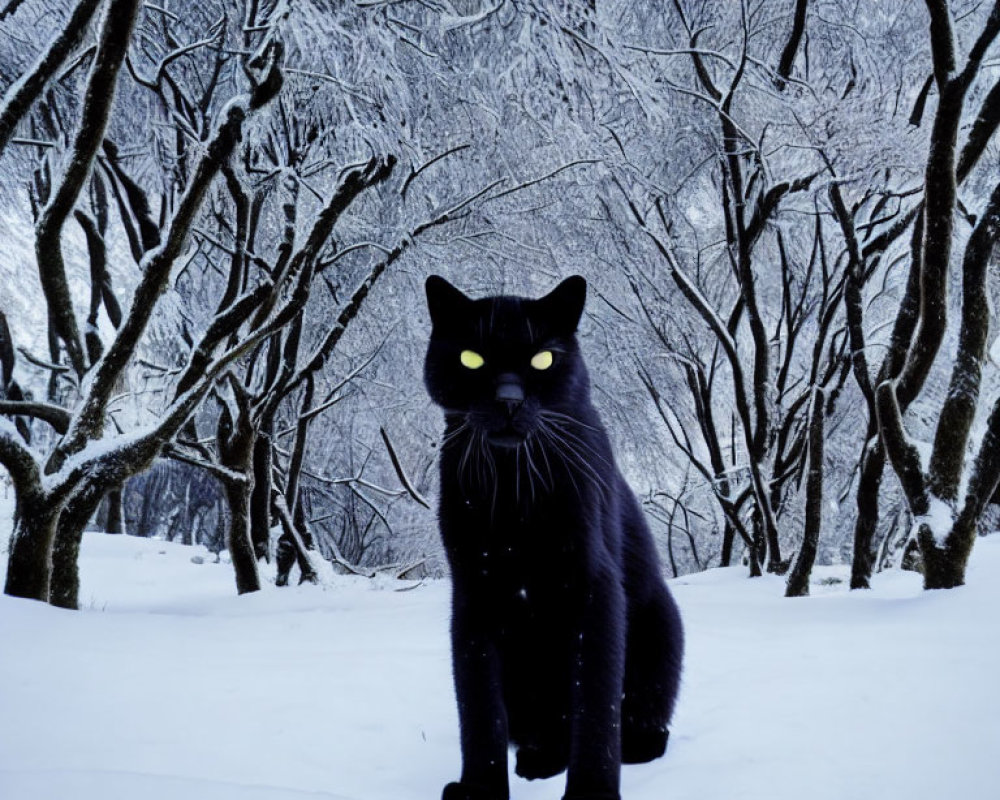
[(566, 642)]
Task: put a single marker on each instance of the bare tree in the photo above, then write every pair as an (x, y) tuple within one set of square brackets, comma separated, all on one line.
[(28, 87), (773, 299), (946, 519), (59, 493), (923, 304)]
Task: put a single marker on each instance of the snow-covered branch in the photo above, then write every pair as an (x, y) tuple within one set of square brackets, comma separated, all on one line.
[(116, 33), (158, 263), (21, 94)]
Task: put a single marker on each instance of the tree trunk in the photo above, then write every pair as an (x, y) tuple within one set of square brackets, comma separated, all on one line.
[(728, 538), (29, 567), (759, 545), (775, 565), (64, 590), (260, 497), (866, 524), (238, 541), (944, 567), (293, 545), (944, 564), (798, 579), (156, 484), (109, 514), (306, 571), (115, 522)]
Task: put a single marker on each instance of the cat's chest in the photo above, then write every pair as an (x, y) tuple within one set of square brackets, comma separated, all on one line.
[(521, 498), (514, 533), (527, 586), (524, 559)]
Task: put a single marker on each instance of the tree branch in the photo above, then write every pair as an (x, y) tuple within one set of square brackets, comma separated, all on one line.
[(400, 473), (25, 90), (959, 409), (56, 416), (791, 47), (985, 475), (17, 458), (902, 453), (157, 264), (116, 33)]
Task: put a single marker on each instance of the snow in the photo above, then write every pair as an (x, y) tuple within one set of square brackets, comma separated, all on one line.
[(940, 518), (995, 351), (168, 685)]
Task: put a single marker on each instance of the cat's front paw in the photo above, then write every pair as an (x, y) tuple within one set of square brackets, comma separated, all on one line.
[(469, 791), (539, 762), (641, 745)]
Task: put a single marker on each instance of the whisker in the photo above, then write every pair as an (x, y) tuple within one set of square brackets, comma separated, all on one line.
[(463, 464), (517, 475), (582, 443), (558, 415), (558, 451), (573, 456), (533, 468), (548, 465), (489, 471)]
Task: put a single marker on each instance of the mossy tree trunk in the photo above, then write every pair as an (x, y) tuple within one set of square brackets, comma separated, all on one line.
[(29, 567), (65, 585)]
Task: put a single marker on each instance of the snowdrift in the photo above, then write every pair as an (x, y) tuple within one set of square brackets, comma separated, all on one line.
[(167, 685)]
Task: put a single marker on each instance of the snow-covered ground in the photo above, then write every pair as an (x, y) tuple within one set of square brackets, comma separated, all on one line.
[(166, 685)]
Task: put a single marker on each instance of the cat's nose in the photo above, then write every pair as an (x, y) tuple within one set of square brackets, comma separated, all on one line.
[(510, 392)]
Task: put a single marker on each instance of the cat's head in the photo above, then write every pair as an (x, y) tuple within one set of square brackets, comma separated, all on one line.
[(504, 363)]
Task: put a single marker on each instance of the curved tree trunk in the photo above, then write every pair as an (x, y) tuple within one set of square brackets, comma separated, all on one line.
[(798, 578)]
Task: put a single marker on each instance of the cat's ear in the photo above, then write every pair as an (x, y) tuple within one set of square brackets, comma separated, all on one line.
[(444, 301), (563, 306)]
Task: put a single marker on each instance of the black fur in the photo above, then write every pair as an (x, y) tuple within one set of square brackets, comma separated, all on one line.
[(566, 642)]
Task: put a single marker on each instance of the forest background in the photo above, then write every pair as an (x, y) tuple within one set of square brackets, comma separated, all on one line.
[(217, 218)]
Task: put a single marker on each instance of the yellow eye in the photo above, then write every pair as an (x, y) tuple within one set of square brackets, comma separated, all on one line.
[(471, 359), (542, 359)]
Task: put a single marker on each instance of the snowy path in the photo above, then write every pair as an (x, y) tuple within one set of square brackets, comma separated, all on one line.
[(168, 686)]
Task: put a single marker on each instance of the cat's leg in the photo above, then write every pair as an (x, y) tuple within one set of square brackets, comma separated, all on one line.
[(481, 713), (543, 748), (598, 673), (536, 693), (652, 676)]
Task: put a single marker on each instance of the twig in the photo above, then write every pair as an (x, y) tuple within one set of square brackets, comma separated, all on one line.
[(411, 490)]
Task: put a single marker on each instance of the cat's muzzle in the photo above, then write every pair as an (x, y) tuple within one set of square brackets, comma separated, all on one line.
[(510, 393), (507, 438), (509, 398)]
